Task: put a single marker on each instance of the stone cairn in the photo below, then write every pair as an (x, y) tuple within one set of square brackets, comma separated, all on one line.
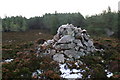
[(70, 43)]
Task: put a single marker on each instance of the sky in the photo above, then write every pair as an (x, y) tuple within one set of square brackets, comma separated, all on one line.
[(31, 8)]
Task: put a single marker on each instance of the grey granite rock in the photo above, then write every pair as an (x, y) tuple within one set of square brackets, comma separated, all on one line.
[(59, 57), (69, 43), (77, 48), (86, 37), (70, 53), (85, 43), (52, 51), (56, 37), (90, 43), (66, 39), (81, 54), (78, 36), (65, 46), (62, 47), (78, 42)]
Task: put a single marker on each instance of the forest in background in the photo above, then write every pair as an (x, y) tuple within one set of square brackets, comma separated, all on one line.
[(105, 23)]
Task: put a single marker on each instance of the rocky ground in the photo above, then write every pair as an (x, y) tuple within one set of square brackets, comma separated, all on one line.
[(33, 60)]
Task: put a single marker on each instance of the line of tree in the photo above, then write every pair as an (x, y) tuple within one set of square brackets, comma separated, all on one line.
[(98, 24), (104, 23), (48, 22), (17, 23)]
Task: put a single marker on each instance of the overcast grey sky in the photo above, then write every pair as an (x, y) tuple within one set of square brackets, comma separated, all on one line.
[(31, 8)]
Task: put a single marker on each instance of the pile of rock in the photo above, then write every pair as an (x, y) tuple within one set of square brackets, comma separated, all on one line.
[(69, 43)]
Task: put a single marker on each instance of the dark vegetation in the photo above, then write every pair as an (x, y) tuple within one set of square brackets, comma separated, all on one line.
[(21, 36), (25, 61)]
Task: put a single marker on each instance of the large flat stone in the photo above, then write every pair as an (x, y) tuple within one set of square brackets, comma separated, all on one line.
[(66, 39), (70, 53), (65, 46)]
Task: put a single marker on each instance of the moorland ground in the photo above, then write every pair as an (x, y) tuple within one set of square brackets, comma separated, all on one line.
[(20, 46)]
